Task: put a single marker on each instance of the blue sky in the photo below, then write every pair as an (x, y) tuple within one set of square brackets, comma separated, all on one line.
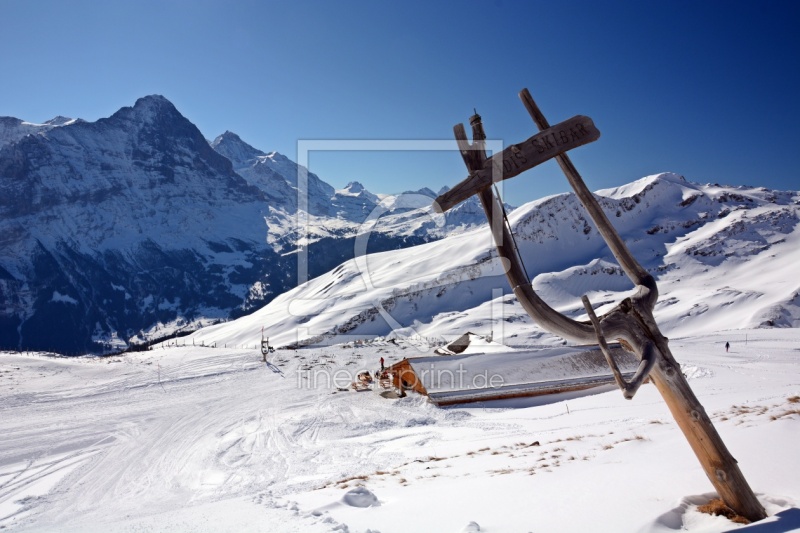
[(707, 89)]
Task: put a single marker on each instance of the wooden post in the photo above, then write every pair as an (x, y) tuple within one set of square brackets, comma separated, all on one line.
[(631, 322)]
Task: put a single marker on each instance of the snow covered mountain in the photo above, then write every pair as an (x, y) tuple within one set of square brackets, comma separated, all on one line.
[(113, 226), (724, 258), (14, 129), (135, 226), (341, 214), (274, 174)]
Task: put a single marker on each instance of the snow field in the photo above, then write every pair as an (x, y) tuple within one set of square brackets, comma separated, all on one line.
[(201, 439)]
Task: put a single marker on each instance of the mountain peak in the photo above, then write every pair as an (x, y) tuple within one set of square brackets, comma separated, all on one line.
[(155, 104), (149, 109), (228, 136), (60, 120), (670, 179), (234, 148), (425, 191), (354, 187), (13, 129), (152, 100)]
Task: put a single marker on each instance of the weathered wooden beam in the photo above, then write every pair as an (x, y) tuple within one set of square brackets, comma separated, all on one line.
[(518, 158), (601, 340), (632, 322), (647, 359), (474, 157), (632, 268)]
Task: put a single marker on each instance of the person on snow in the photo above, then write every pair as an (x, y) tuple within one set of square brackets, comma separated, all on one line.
[(727, 345), (382, 364)]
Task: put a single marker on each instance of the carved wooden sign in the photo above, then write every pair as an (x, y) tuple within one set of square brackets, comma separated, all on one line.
[(518, 158)]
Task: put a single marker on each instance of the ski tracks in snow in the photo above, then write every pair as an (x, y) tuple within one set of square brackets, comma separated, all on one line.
[(24, 486)]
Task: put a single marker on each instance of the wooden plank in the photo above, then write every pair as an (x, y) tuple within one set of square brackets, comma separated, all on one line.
[(518, 158)]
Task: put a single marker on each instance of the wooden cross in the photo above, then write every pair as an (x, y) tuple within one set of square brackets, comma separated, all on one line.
[(518, 158), (631, 322)]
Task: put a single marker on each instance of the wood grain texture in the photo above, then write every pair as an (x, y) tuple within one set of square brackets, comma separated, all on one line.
[(517, 158), (631, 322)]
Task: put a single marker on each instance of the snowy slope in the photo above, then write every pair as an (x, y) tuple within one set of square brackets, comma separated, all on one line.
[(724, 258), (201, 439)]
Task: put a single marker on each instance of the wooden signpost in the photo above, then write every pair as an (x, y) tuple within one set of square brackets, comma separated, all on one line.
[(518, 158), (631, 322)]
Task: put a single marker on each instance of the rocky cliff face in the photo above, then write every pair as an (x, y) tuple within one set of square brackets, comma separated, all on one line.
[(114, 226), (276, 176), (135, 226)]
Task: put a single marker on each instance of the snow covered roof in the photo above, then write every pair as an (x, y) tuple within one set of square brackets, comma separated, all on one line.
[(470, 343)]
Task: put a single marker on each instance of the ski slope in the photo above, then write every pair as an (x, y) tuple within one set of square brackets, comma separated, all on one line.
[(211, 439)]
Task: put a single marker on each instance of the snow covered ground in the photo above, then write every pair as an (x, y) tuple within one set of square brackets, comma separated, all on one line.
[(203, 439)]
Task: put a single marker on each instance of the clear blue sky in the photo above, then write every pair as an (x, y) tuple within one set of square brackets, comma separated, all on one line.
[(707, 89)]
